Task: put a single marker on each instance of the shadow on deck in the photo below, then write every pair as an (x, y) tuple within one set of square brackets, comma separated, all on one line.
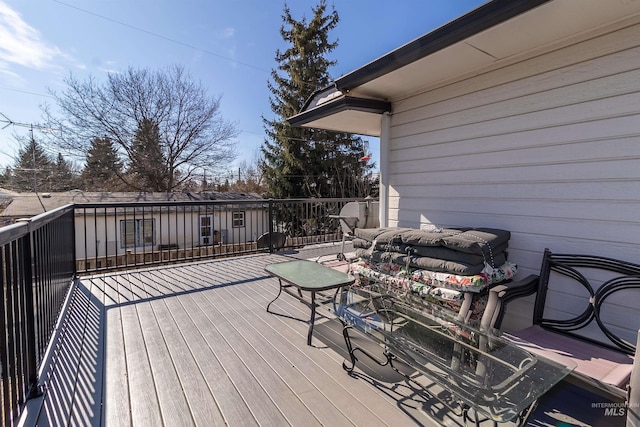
[(192, 344)]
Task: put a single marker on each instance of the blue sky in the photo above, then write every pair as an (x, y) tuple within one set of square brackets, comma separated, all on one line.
[(228, 46)]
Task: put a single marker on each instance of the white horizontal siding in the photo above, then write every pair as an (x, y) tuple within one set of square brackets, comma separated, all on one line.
[(548, 148)]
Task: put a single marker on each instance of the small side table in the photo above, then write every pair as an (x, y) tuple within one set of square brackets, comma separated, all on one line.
[(307, 276)]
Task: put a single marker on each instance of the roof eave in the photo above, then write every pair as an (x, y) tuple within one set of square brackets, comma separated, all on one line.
[(338, 105), (474, 22)]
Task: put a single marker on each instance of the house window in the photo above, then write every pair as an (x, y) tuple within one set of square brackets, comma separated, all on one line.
[(238, 219), (137, 232)]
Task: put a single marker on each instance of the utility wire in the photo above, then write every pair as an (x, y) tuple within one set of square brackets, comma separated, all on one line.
[(160, 36), (169, 39), (28, 93)]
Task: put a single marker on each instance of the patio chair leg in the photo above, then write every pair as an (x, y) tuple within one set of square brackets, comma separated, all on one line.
[(352, 350), (347, 341)]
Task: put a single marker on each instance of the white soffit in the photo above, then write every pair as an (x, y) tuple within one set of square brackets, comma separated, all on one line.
[(433, 68), (547, 24), (552, 22), (358, 122)]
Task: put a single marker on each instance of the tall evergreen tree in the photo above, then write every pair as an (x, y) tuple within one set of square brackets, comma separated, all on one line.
[(64, 178), (148, 164), (300, 162), (32, 170), (5, 177), (103, 167)]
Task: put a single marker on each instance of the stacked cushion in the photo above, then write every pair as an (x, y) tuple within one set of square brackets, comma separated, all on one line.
[(440, 265), (464, 251)]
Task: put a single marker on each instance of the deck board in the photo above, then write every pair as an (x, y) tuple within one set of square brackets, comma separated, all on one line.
[(376, 404), (86, 410), (280, 394), (116, 389), (202, 340), (240, 400), (192, 344), (57, 404), (268, 289), (366, 401), (172, 400), (145, 408), (275, 368), (283, 346), (189, 351)]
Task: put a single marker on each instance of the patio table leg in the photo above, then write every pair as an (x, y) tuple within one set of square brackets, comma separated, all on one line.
[(277, 296), (313, 317)]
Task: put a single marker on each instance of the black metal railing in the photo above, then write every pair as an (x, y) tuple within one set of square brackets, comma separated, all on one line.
[(129, 235), (41, 256), (37, 262)]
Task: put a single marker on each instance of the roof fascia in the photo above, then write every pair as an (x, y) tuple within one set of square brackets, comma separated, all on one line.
[(342, 103)]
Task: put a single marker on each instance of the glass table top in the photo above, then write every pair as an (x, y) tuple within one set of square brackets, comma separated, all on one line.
[(309, 275), (483, 370)]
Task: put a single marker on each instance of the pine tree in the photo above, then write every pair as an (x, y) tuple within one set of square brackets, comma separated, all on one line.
[(32, 170), (103, 167), (148, 164), (300, 162), (64, 178), (5, 177)]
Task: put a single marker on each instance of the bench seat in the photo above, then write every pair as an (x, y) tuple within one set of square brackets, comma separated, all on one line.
[(593, 361), (567, 330)]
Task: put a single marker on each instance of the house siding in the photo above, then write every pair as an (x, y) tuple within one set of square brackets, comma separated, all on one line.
[(547, 147), (100, 236)]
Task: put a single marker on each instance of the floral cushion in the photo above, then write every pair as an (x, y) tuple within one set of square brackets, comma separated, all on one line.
[(448, 299), (443, 289), (415, 280)]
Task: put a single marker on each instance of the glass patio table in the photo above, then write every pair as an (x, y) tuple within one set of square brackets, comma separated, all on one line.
[(479, 368), (308, 276)]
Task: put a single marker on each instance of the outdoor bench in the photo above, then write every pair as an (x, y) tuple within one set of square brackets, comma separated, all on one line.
[(586, 312)]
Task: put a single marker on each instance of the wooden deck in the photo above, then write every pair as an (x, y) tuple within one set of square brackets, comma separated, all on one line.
[(192, 344)]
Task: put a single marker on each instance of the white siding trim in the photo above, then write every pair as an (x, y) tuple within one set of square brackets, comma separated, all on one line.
[(385, 127)]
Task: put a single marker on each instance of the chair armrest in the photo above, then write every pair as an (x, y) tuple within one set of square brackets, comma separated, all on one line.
[(503, 293), (517, 288)]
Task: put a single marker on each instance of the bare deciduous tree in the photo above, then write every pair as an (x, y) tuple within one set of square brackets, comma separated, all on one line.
[(192, 132)]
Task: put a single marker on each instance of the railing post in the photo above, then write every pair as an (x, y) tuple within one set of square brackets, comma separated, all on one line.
[(27, 259), (30, 315), (271, 243), (73, 243)]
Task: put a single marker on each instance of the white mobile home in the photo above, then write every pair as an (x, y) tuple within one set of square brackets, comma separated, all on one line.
[(116, 224), (521, 115), (116, 231)]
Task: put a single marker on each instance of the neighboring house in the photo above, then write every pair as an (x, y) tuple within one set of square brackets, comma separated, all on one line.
[(521, 115), (231, 218)]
